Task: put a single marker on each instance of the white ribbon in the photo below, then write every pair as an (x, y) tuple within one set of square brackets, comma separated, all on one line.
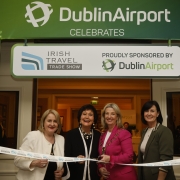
[(51, 158)]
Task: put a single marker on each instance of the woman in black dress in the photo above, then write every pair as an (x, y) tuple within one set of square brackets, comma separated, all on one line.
[(83, 142)]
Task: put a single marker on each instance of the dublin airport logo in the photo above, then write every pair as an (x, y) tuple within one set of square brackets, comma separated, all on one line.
[(108, 65), (31, 62), (30, 13)]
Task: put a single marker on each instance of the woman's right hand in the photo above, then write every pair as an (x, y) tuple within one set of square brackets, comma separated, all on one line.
[(41, 163), (81, 156), (104, 173), (105, 158)]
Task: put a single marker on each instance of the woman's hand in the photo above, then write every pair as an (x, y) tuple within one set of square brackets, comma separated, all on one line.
[(81, 156), (104, 173), (58, 174), (41, 163), (105, 158), (162, 175)]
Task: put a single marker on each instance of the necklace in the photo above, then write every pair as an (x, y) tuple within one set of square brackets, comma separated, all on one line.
[(86, 135)]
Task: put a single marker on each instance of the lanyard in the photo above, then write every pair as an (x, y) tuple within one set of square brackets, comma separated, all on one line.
[(87, 156)]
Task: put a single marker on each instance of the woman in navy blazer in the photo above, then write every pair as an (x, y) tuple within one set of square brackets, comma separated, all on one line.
[(156, 144)]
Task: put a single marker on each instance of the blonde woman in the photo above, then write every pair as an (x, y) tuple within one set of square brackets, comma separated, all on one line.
[(45, 141), (115, 146)]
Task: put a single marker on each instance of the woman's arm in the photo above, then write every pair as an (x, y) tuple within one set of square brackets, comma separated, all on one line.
[(41, 163), (162, 175), (165, 150), (27, 145), (126, 154)]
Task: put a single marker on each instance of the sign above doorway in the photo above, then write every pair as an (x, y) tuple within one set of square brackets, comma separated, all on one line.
[(105, 19), (95, 61)]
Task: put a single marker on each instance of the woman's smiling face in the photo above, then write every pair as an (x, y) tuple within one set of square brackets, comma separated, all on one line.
[(87, 118), (151, 115), (50, 124), (110, 117)]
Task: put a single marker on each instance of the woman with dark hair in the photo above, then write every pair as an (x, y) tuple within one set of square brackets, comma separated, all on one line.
[(156, 144), (83, 142)]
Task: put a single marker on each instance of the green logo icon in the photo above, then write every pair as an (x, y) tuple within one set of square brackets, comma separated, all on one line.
[(108, 65)]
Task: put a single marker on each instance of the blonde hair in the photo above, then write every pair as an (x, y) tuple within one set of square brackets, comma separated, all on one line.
[(45, 114), (117, 111)]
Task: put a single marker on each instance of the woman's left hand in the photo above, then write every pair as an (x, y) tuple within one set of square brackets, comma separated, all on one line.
[(104, 173), (105, 158), (58, 174)]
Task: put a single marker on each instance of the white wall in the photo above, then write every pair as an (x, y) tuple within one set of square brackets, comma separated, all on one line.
[(24, 86)]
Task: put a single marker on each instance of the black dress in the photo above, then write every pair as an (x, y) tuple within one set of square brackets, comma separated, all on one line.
[(1, 137), (52, 166), (74, 146)]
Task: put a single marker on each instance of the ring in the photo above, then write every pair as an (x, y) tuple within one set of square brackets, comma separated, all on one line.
[(44, 165)]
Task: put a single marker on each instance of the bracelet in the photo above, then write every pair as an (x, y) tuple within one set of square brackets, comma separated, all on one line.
[(161, 169)]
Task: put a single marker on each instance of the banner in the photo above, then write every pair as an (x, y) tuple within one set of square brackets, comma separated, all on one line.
[(95, 61), (139, 19)]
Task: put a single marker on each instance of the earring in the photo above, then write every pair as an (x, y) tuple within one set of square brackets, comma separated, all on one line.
[(93, 126), (80, 125)]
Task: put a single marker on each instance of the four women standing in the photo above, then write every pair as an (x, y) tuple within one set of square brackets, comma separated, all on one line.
[(114, 147)]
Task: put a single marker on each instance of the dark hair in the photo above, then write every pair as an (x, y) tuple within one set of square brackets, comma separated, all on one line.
[(88, 107), (126, 123), (147, 106)]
